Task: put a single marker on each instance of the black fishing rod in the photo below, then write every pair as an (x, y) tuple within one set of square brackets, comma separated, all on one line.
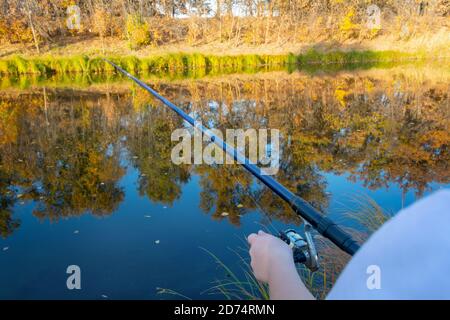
[(323, 225)]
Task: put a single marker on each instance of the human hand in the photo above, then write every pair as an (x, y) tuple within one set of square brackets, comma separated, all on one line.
[(269, 255)]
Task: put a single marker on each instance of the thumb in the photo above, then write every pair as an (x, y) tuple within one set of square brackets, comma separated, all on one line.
[(261, 233), (251, 238)]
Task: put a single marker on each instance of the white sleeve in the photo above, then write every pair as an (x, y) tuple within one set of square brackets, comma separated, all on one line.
[(407, 258)]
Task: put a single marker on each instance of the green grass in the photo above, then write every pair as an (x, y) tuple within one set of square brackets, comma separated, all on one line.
[(241, 283), (196, 64), (352, 57), (243, 286)]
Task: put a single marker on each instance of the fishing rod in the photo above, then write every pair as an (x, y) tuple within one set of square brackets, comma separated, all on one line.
[(323, 225)]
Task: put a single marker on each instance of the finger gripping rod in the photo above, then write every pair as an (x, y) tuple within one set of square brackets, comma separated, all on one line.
[(322, 224)]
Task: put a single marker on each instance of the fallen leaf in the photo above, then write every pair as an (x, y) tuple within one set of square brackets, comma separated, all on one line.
[(239, 205), (224, 214)]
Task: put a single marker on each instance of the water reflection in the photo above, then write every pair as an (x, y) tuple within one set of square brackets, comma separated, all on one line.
[(66, 149)]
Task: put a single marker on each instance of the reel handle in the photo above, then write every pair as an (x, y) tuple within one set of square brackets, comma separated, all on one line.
[(303, 249), (299, 256)]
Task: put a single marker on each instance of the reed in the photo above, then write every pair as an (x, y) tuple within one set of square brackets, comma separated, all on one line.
[(366, 212)]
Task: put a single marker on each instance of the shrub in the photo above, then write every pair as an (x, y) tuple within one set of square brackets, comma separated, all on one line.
[(100, 21), (348, 27), (137, 31), (15, 31)]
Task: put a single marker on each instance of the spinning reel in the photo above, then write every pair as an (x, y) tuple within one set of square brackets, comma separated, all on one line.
[(303, 248)]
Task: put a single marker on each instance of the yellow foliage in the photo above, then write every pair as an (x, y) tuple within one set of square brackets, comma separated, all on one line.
[(348, 26), (15, 31), (340, 95), (368, 85), (100, 21), (8, 123), (155, 33), (137, 31), (436, 138)]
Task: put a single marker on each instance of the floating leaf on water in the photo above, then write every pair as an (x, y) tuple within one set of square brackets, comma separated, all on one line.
[(5, 248), (164, 207), (19, 195), (21, 203), (224, 214), (104, 296), (147, 216), (156, 241), (76, 232), (239, 205)]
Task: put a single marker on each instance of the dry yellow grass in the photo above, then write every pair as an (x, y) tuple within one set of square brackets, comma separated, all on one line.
[(430, 38)]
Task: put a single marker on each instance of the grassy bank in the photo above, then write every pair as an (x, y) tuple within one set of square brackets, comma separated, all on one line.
[(432, 70), (170, 63), (199, 64)]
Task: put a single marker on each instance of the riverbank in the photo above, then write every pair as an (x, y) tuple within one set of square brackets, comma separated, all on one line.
[(426, 74), (198, 63)]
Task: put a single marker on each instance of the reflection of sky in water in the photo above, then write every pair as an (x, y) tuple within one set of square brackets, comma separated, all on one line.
[(118, 255), (392, 198)]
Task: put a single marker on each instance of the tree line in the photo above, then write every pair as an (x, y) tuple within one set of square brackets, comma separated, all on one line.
[(194, 22)]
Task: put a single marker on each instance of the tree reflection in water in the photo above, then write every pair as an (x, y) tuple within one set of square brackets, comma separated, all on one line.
[(67, 149)]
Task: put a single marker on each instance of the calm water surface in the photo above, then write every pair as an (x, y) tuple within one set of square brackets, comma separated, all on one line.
[(86, 177)]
